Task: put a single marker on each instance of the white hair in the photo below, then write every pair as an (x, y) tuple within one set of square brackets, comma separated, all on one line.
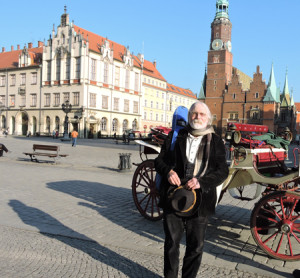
[(192, 108)]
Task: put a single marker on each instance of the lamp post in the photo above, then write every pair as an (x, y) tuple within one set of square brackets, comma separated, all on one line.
[(66, 107)]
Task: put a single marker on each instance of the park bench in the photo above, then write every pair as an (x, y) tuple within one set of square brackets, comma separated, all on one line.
[(50, 151)]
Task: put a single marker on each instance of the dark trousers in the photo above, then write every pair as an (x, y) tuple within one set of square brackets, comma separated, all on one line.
[(174, 227)]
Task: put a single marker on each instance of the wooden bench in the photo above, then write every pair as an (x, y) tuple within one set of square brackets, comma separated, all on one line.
[(48, 150)]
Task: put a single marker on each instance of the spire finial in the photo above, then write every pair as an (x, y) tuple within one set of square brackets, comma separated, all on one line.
[(65, 9)]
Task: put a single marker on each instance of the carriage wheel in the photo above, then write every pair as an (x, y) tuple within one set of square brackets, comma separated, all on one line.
[(144, 192), (275, 225)]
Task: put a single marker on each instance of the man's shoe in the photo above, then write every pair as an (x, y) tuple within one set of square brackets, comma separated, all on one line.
[(296, 273)]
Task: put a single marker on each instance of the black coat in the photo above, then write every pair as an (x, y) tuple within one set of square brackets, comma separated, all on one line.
[(216, 172)]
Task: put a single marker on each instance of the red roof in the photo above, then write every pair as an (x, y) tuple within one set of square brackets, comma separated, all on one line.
[(10, 59), (175, 89), (95, 41)]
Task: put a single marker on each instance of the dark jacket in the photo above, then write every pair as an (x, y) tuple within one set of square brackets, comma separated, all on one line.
[(216, 172)]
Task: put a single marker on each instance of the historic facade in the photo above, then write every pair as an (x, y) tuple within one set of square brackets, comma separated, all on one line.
[(110, 89), (235, 97)]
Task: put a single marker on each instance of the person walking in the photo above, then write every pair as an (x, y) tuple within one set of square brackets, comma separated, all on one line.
[(190, 175), (74, 136)]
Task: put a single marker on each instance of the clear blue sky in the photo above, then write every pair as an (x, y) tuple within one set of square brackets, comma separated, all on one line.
[(174, 33)]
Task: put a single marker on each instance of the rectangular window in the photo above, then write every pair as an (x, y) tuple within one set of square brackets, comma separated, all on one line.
[(105, 77), (12, 99), (2, 100), (76, 98), (117, 76), (13, 80), (77, 68), (48, 70), (23, 100), (68, 68), (56, 99), (2, 80), (66, 97), (135, 107), (126, 105), (104, 102), (145, 115), (116, 104), (47, 99), (151, 104), (33, 100), (136, 82), (92, 100), (162, 118), (156, 105), (93, 69), (127, 78), (23, 79), (145, 103), (34, 78)]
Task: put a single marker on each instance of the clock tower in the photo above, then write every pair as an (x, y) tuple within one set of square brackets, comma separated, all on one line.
[(219, 62)]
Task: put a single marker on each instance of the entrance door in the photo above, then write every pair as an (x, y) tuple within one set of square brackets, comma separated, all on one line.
[(24, 124)]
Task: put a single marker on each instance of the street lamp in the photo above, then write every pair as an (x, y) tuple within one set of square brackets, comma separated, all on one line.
[(66, 107)]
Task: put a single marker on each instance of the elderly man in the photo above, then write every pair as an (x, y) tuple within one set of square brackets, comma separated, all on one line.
[(197, 164)]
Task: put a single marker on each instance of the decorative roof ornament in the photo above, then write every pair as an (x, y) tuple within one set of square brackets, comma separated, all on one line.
[(285, 97), (272, 90), (202, 93), (222, 9)]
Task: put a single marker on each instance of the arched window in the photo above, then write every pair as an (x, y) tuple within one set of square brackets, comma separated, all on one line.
[(125, 125), (134, 125), (114, 125), (47, 124), (103, 124), (57, 121)]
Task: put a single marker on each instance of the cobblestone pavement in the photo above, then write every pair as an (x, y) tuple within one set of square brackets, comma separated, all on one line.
[(77, 218)]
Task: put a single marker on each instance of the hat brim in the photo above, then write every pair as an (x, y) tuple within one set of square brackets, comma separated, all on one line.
[(190, 210)]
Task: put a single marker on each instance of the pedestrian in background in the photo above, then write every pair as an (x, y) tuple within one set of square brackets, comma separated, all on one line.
[(74, 136), (190, 176)]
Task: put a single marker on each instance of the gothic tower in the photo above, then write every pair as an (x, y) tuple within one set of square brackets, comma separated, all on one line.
[(219, 62)]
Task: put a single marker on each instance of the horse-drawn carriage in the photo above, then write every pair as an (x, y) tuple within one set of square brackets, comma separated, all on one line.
[(275, 218)]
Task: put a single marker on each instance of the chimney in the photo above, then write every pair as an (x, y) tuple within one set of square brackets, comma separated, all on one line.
[(3, 49), (40, 44), (12, 48), (18, 47), (29, 45), (154, 63)]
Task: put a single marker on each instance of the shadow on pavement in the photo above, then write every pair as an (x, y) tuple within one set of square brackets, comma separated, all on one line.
[(37, 218), (116, 204)]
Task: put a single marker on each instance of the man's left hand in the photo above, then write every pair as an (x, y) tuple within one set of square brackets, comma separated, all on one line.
[(192, 184)]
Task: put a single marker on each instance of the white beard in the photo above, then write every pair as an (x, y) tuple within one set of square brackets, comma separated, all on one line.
[(198, 124)]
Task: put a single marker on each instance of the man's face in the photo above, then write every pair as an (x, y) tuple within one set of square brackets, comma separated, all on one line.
[(199, 117)]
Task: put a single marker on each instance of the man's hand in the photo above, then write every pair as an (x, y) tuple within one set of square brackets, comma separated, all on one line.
[(192, 184), (173, 178)]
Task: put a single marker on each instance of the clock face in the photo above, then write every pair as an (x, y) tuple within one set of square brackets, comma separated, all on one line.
[(228, 46), (217, 44)]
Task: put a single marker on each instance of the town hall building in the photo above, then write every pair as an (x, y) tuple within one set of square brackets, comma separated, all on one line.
[(233, 96)]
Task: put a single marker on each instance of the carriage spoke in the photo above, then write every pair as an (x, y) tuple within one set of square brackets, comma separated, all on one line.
[(295, 237), (290, 245), (265, 228), (279, 244), (270, 237), (282, 207)]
